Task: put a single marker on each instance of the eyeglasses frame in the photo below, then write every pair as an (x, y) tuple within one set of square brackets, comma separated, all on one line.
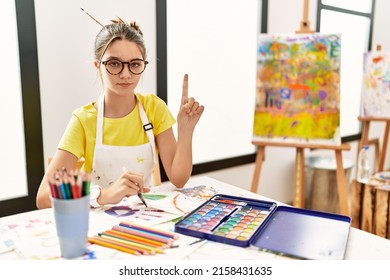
[(123, 65)]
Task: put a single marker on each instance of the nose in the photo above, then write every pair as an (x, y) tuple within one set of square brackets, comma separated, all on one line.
[(126, 71)]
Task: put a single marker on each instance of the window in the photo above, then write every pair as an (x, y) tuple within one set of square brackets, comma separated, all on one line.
[(353, 20), (22, 166), (191, 40)]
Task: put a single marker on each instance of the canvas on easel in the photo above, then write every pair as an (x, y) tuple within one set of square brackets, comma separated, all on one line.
[(298, 89), (376, 85), (376, 98), (298, 102)]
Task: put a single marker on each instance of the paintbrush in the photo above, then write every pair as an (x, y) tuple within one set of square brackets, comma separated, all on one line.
[(139, 194)]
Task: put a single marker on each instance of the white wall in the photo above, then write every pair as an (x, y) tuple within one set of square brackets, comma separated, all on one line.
[(68, 80), (65, 36)]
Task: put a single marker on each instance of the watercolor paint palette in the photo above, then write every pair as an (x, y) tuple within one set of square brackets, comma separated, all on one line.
[(291, 231), (227, 219)]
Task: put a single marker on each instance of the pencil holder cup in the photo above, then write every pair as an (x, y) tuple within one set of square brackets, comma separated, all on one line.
[(72, 222)]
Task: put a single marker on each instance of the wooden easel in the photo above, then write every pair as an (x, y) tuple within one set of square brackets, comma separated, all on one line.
[(305, 23), (299, 197), (366, 121), (299, 194), (370, 201)]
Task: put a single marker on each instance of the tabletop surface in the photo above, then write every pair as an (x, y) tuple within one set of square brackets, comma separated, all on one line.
[(32, 235)]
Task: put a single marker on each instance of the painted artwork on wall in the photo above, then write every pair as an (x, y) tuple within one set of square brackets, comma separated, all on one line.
[(376, 85), (298, 89)]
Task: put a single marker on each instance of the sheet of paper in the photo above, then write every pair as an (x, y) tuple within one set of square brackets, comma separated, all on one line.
[(33, 237)]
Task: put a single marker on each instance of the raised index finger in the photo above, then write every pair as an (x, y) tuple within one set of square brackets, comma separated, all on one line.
[(184, 96)]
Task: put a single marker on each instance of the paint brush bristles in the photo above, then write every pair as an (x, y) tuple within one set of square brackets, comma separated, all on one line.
[(92, 17)]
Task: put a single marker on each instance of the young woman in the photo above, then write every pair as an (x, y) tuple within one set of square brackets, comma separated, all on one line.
[(120, 135)]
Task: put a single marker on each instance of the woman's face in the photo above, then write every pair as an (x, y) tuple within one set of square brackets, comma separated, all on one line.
[(125, 82)]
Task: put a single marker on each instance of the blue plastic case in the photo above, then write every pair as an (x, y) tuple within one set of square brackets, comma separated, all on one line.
[(295, 232)]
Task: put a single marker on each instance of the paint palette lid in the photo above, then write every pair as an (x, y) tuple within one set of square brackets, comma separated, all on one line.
[(304, 234)]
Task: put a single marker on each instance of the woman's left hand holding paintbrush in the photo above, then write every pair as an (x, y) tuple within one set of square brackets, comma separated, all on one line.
[(128, 184)]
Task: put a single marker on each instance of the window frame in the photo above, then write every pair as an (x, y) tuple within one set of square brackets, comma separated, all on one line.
[(162, 86), (28, 56), (370, 16)]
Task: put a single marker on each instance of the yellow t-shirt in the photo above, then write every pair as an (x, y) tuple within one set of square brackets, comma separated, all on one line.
[(80, 134)]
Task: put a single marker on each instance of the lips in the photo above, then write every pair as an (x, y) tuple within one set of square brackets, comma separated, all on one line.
[(124, 84)]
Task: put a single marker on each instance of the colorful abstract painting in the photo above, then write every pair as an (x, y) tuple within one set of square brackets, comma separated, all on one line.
[(298, 88), (376, 85)]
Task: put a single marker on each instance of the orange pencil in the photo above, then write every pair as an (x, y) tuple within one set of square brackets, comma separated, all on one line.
[(103, 243), (137, 238), (148, 249), (143, 251), (144, 234)]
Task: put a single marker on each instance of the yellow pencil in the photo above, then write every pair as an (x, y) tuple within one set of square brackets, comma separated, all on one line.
[(147, 249), (144, 234), (112, 246), (137, 238), (122, 244)]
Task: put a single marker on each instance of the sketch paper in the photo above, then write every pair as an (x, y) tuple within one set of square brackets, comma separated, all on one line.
[(298, 88), (164, 204), (376, 85), (33, 238), (137, 213)]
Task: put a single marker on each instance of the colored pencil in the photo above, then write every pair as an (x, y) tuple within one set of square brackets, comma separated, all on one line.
[(142, 251), (59, 191), (53, 190), (148, 248), (151, 230), (67, 187), (73, 186), (85, 185), (100, 242), (144, 234), (136, 238), (62, 187)]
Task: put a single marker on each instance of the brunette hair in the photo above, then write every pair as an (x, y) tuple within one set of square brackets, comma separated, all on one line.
[(118, 30)]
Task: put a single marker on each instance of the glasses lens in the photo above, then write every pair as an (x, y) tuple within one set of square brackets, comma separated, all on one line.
[(137, 66), (114, 67)]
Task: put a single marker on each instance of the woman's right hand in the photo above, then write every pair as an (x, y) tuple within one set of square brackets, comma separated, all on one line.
[(128, 184)]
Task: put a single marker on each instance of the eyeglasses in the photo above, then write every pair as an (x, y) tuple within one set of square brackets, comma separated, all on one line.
[(115, 67)]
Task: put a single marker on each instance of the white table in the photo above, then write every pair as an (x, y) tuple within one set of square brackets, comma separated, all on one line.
[(34, 237)]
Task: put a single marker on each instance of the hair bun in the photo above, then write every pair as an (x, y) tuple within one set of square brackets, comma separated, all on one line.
[(134, 25)]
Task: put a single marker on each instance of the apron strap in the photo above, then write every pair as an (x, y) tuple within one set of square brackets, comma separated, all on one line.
[(99, 121), (148, 127)]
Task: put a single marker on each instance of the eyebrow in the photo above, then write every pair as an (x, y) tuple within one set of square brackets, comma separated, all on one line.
[(117, 58)]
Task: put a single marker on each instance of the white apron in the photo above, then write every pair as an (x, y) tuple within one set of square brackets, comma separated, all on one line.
[(109, 161)]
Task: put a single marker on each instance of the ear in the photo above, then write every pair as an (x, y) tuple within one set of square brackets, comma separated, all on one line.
[(96, 63)]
